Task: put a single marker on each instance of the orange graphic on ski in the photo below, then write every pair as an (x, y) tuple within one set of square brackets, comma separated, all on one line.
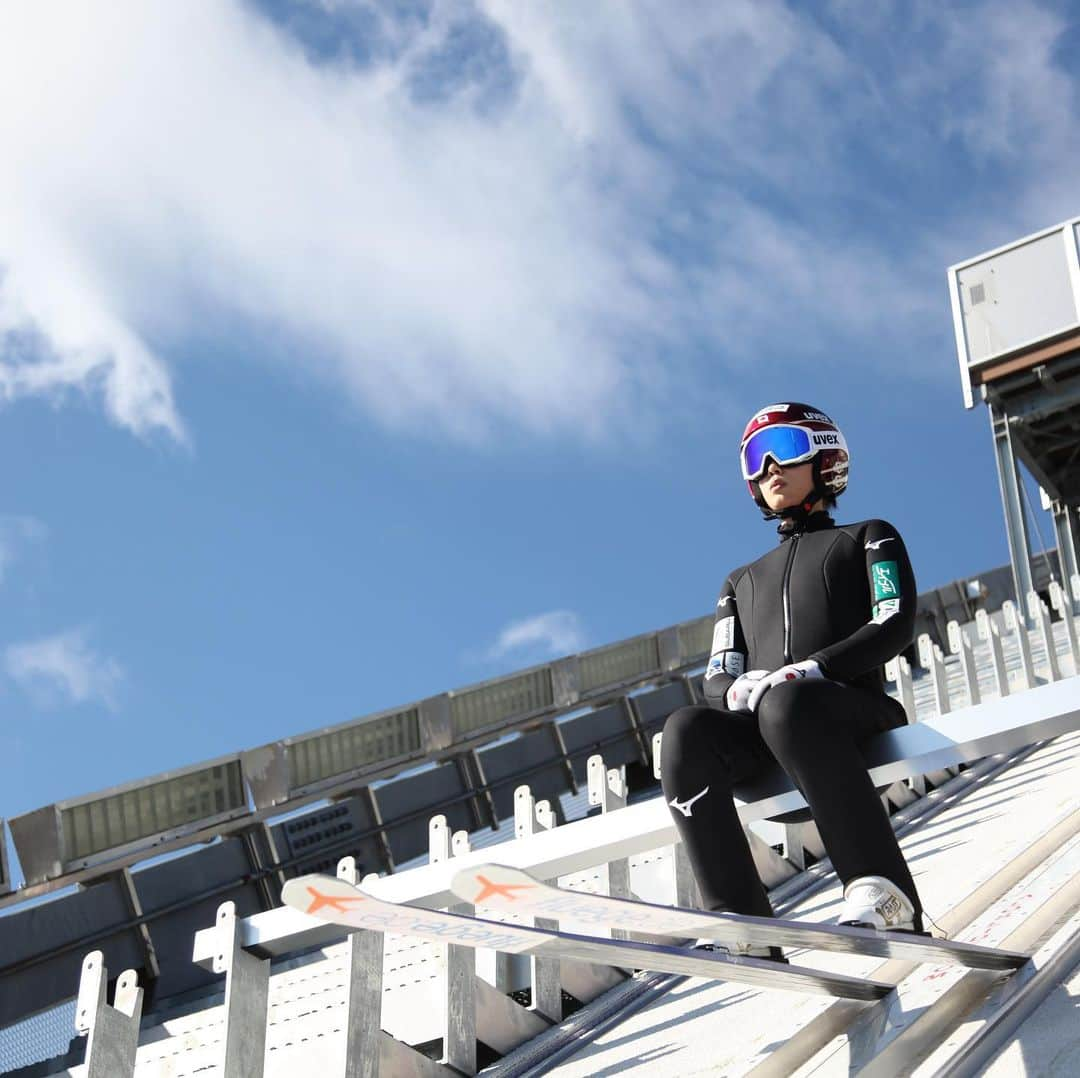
[(335, 902), (502, 890)]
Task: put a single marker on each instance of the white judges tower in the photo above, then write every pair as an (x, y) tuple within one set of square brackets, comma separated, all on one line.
[(1016, 312)]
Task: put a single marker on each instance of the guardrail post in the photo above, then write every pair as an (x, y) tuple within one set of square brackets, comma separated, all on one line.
[(113, 1032), (960, 644), (531, 816), (1015, 624), (932, 659), (364, 990), (247, 985), (607, 788), (459, 1030), (1063, 605), (898, 671), (988, 630), (1041, 617)]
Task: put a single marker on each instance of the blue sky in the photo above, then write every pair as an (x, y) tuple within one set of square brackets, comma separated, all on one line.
[(353, 352)]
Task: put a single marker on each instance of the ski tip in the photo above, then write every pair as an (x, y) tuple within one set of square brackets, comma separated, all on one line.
[(315, 892), (490, 884)]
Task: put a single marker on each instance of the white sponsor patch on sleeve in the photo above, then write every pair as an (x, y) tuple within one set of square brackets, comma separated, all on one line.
[(885, 610), (723, 636), (734, 663), (715, 667)]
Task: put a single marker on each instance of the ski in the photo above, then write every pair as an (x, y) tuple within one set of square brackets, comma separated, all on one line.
[(515, 891), (342, 903)]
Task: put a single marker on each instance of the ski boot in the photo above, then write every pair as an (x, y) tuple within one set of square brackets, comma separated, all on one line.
[(875, 902)]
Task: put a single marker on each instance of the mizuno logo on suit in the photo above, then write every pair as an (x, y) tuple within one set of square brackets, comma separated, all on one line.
[(686, 807)]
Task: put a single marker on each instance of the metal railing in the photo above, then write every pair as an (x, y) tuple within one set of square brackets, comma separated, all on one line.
[(58, 843), (1033, 702), (80, 838)]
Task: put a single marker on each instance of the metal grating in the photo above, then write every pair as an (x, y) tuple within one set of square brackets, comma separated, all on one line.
[(41, 1037), (695, 638), (621, 662), (352, 748), (518, 695), (113, 821)]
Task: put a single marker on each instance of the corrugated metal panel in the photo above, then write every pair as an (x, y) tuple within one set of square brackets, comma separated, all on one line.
[(497, 701), (130, 815), (695, 638), (620, 663), (351, 748)]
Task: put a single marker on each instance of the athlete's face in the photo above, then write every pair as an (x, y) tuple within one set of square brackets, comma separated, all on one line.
[(781, 488)]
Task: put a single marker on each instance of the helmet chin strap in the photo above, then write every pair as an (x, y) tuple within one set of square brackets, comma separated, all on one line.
[(793, 518)]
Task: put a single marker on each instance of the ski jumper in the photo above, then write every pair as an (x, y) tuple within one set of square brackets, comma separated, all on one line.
[(845, 597)]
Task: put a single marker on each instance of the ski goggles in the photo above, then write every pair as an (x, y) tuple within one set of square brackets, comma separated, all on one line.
[(786, 445)]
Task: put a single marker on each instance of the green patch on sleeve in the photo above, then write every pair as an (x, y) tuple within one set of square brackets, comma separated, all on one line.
[(886, 577)]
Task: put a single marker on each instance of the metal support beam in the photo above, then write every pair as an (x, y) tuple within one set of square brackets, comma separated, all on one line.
[(481, 803), (529, 819), (801, 840), (153, 970), (247, 988), (459, 1028), (364, 987), (633, 717), (567, 764), (607, 788), (1062, 603), (262, 854), (1040, 615), (931, 659), (988, 630), (382, 836), (686, 888), (960, 644), (113, 1032), (1012, 503), (5, 872), (1015, 625), (1067, 530)]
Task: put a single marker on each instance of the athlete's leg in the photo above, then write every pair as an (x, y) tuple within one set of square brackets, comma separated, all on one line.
[(815, 728), (704, 751)]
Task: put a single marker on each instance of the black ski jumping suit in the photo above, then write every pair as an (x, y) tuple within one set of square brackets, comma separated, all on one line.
[(841, 595)]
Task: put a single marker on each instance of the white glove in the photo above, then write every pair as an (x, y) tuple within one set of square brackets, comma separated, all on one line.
[(793, 672), (740, 689)]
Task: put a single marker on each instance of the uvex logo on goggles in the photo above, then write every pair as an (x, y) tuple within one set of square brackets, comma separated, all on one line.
[(786, 445)]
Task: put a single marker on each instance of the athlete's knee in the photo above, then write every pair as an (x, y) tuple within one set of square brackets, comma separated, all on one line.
[(686, 737), (787, 716)]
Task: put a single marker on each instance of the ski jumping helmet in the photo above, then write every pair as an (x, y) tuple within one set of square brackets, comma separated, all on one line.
[(792, 433)]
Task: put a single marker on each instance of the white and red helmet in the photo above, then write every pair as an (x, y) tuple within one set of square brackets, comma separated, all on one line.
[(792, 433)]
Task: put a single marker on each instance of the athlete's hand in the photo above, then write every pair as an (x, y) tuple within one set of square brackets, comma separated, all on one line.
[(739, 690), (792, 672)]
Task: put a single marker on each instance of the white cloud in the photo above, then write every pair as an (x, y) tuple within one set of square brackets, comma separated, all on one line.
[(64, 669), (555, 633), (16, 533), (531, 232)]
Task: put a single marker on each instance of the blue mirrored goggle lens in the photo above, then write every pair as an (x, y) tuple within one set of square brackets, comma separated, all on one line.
[(783, 444)]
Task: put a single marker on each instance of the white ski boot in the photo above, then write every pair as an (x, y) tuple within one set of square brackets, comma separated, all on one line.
[(875, 902)]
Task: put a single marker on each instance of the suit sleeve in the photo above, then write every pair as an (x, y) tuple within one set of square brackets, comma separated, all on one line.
[(727, 658), (891, 623)]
